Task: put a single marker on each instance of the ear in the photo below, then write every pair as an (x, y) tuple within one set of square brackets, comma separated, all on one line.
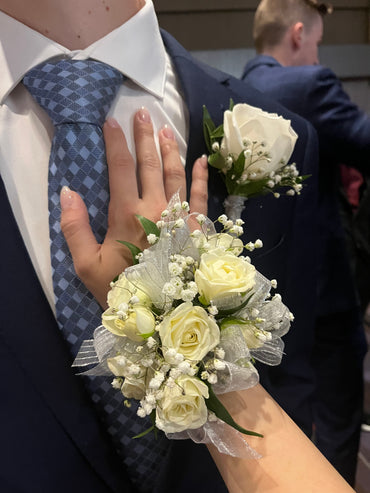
[(296, 34)]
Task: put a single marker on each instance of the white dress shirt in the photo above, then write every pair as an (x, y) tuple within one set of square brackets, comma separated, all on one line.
[(135, 49)]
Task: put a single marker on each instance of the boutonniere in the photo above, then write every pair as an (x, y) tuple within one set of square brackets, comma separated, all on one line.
[(251, 150)]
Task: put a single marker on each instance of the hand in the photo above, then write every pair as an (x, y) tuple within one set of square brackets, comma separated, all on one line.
[(97, 264)]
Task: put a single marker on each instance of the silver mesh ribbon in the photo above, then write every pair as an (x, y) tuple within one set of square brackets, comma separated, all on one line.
[(234, 206), (225, 438)]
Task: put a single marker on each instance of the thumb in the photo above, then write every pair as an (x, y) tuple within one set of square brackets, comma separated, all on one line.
[(75, 226)]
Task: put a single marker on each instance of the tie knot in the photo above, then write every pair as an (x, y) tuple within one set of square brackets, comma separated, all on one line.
[(74, 90)]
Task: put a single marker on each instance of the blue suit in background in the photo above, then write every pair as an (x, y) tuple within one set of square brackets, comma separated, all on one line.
[(52, 440), (315, 93)]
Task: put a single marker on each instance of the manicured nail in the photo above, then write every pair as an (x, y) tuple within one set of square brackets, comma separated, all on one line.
[(112, 122), (168, 133), (66, 198), (144, 116), (204, 160)]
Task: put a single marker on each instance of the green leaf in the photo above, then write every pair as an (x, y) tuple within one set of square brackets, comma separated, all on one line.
[(207, 137), (302, 178), (230, 183), (218, 133), (133, 249), (231, 104), (238, 166), (216, 160), (207, 119), (228, 322), (252, 188), (208, 128), (148, 226), (214, 405)]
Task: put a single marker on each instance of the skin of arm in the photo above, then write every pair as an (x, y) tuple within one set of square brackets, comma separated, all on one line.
[(290, 462)]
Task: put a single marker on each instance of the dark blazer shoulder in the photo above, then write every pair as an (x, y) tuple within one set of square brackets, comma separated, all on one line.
[(316, 93)]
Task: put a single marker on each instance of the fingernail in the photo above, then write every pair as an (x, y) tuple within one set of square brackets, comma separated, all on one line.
[(112, 122), (204, 160), (168, 133), (144, 116), (66, 198)]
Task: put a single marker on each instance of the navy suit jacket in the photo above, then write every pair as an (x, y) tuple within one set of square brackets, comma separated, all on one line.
[(315, 93), (51, 438)]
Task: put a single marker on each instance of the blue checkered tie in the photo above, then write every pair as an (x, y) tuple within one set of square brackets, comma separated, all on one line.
[(77, 96)]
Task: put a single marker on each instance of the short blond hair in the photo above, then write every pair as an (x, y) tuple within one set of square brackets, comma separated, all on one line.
[(274, 17)]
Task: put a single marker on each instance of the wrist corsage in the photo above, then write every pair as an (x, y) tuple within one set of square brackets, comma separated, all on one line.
[(185, 323)]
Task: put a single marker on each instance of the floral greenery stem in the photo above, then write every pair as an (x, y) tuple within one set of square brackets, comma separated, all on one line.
[(153, 428), (208, 128), (230, 311), (146, 432), (215, 405)]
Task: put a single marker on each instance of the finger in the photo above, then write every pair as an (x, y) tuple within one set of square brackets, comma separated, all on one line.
[(199, 186), (121, 167), (149, 165), (77, 231), (173, 170)]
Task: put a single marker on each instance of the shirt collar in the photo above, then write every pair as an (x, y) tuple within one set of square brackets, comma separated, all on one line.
[(136, 49)]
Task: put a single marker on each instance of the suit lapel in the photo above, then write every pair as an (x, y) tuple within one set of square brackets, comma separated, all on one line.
[(30, 330), (202, 85)]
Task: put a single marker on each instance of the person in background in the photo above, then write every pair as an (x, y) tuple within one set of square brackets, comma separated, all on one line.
[(63, 435), (355, 213), (287, 34)]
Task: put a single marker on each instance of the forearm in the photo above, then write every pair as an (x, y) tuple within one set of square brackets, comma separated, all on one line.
[(289, 463)]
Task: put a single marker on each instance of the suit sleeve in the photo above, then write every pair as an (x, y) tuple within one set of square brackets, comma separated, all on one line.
[(343, 129)]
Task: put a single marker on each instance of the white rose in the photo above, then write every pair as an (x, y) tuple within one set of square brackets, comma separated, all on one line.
[(247, 123), (136, 325), (221, 273), (120, 367), (182, 407), (190, 331), (134, 388), (122, 291), (227, 242), (117, 365)]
